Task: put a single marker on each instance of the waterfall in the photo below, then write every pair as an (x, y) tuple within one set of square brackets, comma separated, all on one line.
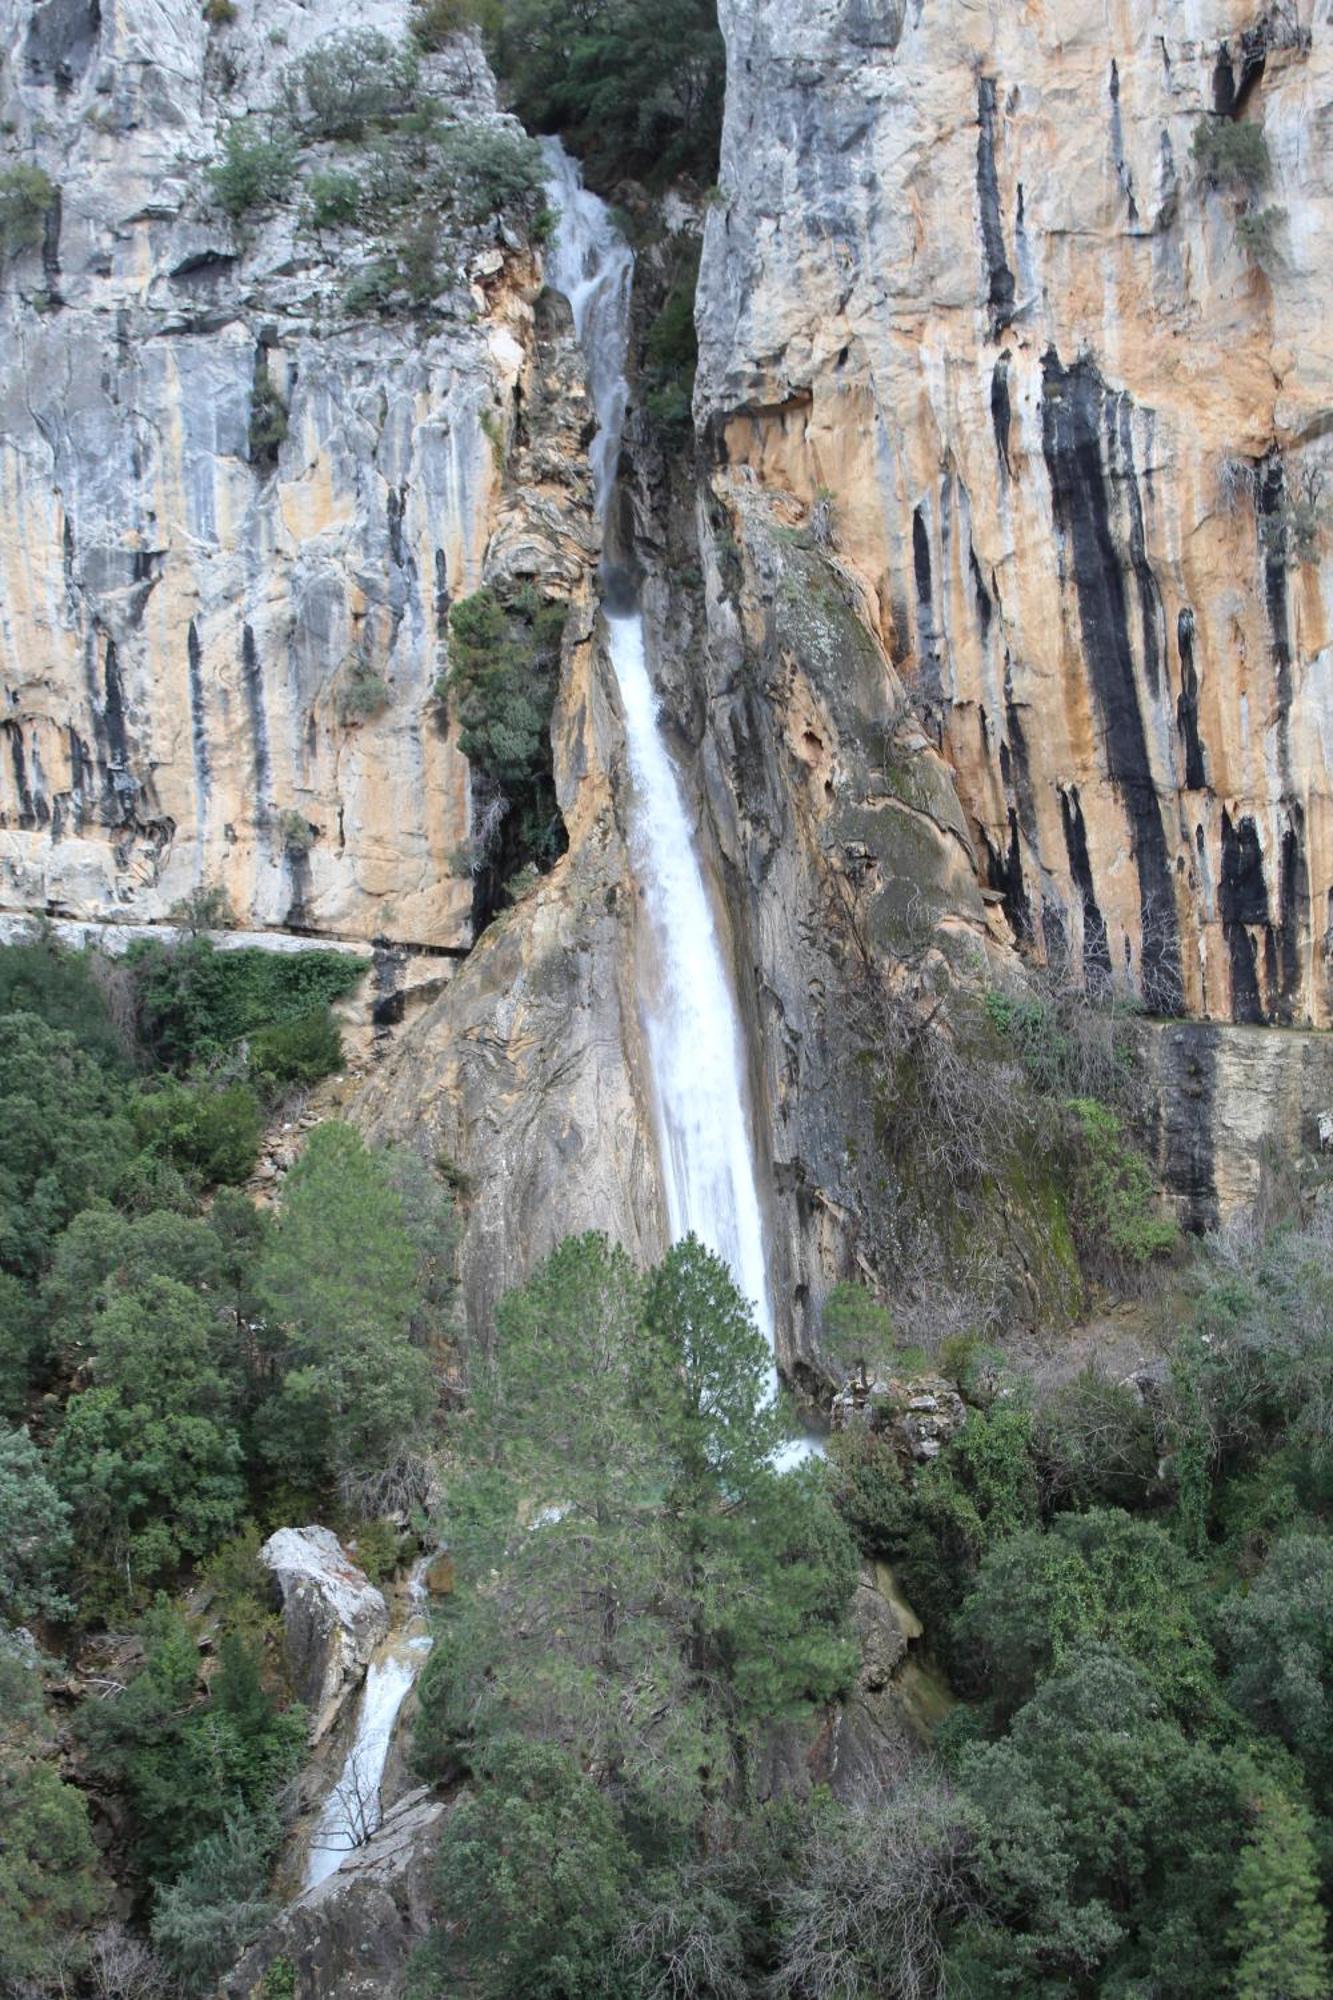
[(690, 1021), (352, 1810)]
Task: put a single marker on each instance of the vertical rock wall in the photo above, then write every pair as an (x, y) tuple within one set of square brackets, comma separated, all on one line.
[(180, 609), (966, 290)]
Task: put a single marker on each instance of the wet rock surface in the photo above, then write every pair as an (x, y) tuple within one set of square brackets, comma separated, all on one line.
[(333, 1618), (350, 1937)]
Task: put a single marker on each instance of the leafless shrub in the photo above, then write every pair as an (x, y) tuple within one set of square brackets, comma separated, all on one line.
[(878, 1887), (410, 1483), (948, 1115), (121, 1967), (1235, 483)]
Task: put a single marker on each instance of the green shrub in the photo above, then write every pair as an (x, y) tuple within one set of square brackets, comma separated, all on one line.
[(504, 657), (268, 420), (364, 693), (350, 81), (1113, 1196), (1257, 233), (379, 1549), (69, 991), (26, 197), (856, 1331), (1231, 155), (296, 833), (335, 197), (671, 350), (372, 288), (219, 13), (485, 171), (435, 21), (300, 1051), (212, 1133), (256, 168), (195, 1001)]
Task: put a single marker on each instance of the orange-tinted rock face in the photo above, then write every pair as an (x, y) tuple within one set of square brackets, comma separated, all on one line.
[(968, 280), (181, 606)]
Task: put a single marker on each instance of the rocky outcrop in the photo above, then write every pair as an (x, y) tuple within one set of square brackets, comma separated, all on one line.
[(1063, 405), (182, 602), (1242, 1118), (527, 1074), (333, 1618), (351, 1936)]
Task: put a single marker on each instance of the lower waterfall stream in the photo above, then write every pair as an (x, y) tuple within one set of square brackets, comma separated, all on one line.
[(690, 1020)]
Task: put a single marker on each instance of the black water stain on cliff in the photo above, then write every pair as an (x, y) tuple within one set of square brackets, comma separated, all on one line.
[(1123, 174), (61, 39), (1074, 413), (1242, 903), (113, 709), (1014, 755), (1001, 415), (927, 646), (1096, 949), (252, 684), (198, 720), (1004, 872), (1293, 902), (394, 509), (1187, 1108), (26, 815), (1187, 706), (1271, 509), (985, 607), (999, 278)]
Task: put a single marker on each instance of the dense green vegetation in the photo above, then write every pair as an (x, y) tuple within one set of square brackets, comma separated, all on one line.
[(179, 1369), (653, 1638), (635, 87)]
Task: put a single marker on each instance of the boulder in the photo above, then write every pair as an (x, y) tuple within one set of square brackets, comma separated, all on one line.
[(919, 1416), (351, 1936), (333, 1618)]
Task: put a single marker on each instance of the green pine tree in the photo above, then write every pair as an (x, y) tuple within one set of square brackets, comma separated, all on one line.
[(1279, 1927)]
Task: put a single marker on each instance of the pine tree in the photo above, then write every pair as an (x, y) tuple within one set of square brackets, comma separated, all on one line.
[(1279, 1928)]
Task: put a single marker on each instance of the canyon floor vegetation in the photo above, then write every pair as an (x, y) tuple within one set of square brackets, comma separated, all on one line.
[(1126, 1587)]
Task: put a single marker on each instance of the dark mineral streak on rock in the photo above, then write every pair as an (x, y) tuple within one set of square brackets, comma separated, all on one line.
[(253, 684), (1187, 706), (1096, 951), (1074, 423), (1186, 1100), (198, 722), (999, 278), (1243, 902)]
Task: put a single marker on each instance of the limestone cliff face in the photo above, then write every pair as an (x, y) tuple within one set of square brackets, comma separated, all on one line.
[(179, 611), (966, 291)]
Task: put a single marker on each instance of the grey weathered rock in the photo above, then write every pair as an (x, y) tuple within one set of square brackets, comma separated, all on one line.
[(967, 283), (351, 1936), (179, 616), (333, 1618), (918, 1416)]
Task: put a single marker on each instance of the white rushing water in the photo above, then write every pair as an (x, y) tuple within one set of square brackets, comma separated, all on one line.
[(690, 1019), (352, 1810)]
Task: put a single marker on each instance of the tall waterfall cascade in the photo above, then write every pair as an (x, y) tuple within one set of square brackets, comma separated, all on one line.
[(690, 1020)]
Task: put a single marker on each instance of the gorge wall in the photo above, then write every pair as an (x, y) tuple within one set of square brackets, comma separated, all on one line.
[(988, 612), (1066, 406), (182, 603)]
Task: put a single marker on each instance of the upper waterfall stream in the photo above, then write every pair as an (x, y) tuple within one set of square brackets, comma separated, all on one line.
[(690, 1020)]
